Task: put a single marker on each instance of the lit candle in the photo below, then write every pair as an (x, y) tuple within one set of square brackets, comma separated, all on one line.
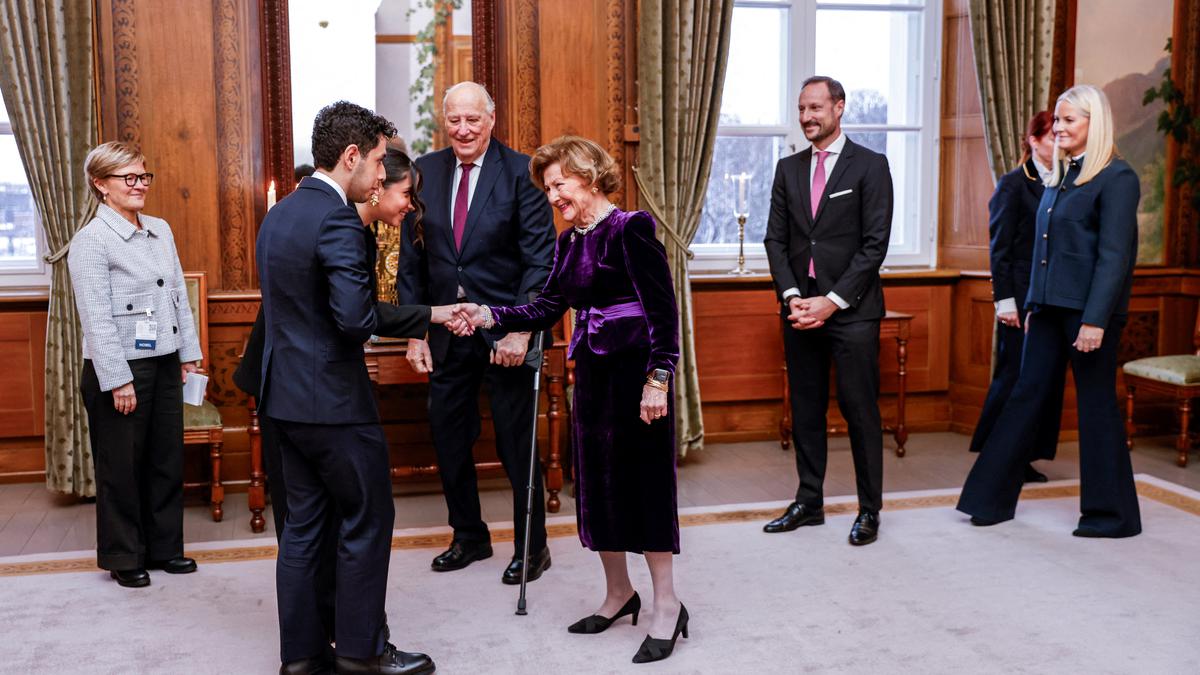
[(743, 180), (271, 196)]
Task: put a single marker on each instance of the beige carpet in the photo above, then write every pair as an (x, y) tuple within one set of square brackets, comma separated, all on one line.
[(934, 595)]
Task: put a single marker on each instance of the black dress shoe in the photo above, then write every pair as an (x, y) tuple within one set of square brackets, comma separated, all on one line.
[(590, 625), (538, 562), (317, 665), (865, 529), (131, 578), (984, 522), (391, 662), (797, 515), (460, 554), (1032, 475), (656, 650), (177, 565)]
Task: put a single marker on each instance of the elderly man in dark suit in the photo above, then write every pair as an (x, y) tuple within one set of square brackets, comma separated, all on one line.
[(318, 309), (488, 239), (827, 235)]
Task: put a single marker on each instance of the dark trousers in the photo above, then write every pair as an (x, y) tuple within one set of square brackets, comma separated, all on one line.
[(1108, 498), (454, 387), (1010, 342), (854, 349), (337, 535), (273, 466), (139, 465)]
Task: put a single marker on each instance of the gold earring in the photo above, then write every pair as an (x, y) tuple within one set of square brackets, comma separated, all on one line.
[(375, 199), (593, 190)]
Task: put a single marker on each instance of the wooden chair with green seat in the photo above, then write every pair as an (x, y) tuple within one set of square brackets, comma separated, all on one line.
[(1175, 376), (202, 424)]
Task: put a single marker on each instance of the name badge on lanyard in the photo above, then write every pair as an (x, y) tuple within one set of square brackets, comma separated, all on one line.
[(146, 333)]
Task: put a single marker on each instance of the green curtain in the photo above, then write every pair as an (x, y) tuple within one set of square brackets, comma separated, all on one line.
[(1014, 45), (47, 82), (683, 47)]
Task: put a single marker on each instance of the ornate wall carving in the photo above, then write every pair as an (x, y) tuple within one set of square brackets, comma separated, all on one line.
[(615, 36), (234, 188), (125, 66), (1140, 337)]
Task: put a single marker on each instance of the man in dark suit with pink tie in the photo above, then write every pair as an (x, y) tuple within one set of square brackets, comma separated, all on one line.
[(827, 235)]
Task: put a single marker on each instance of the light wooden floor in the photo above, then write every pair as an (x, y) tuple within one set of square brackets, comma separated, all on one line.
[(33, 520)]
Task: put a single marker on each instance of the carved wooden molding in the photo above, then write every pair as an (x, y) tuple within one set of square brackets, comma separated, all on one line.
[(233, 186), (615, 35), (483, 44), (528, 77), (125, 66), (277, 95)]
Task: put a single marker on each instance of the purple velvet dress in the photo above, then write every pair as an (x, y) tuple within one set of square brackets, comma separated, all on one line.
[(617, 279)]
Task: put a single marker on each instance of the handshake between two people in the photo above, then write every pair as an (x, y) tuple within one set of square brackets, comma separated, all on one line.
[(462, 319)]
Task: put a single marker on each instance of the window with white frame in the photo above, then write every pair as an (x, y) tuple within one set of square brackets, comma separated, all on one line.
[(886, 55), (21, 239)]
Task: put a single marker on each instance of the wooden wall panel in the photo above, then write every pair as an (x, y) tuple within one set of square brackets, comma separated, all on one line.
[(966, 181), (179, 80)]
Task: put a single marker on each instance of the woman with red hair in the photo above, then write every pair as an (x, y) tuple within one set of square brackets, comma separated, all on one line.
[(1012, 212)]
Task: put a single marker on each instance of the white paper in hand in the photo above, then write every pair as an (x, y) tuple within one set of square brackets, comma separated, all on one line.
[(194, 388)]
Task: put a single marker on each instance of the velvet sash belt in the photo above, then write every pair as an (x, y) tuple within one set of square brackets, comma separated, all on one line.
[(612, 328)]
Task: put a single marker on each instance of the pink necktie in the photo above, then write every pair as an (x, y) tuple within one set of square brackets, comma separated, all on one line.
[(818, 189), (460, 204)]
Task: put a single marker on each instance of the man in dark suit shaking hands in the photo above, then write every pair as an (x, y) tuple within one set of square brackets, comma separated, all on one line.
[(318, 309), (489, 239), (827, 235)]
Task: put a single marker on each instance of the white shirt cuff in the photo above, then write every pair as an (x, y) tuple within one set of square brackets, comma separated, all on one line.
[(1006, 306), (837, 300), (791, 292)]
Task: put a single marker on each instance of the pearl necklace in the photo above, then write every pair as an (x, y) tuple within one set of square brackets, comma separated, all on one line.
[(599, 219)]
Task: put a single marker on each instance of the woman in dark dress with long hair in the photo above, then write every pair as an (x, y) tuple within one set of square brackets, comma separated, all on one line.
[(1012, 214), (612, 270)]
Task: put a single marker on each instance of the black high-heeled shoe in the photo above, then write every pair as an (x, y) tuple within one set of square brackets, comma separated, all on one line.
[(598, 624), (657, 650)]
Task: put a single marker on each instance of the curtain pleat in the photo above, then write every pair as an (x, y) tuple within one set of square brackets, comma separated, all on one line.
[(683, 48), (47, 82)]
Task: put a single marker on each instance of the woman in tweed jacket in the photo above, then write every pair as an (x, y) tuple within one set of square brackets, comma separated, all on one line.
[(139, 344)]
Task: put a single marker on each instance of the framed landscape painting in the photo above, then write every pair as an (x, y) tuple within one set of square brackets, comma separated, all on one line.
[(1120, 48)]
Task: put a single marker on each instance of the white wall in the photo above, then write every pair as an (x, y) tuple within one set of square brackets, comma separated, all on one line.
[(329, 63)]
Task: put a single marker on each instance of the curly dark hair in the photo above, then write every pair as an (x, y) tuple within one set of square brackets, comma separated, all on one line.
[(397, 166), (342, 124)]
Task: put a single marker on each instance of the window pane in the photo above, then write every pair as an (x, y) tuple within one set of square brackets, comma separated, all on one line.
[(880, 68), (904, 159), (734, 155), (755, 80), (18, 217), (868, 3)]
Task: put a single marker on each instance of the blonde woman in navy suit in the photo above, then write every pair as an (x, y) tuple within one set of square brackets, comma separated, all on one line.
[(1084, 253)]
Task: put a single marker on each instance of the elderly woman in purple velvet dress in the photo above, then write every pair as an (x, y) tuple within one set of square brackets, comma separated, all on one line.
[(612, 270)]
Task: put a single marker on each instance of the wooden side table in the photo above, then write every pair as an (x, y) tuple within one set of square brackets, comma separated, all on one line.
[(894, 325)]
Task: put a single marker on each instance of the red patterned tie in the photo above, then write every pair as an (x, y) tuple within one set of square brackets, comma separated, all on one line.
[(818, 189), (460, 205)]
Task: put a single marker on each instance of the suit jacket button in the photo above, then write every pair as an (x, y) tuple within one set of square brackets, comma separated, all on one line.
[(1049, 209), (160, 282), (1045, 236), (813, 242), (174, 329), (1043, 263), (460, 268), (129, 308)]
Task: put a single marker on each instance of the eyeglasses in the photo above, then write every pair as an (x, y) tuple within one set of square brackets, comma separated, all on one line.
[(131, 179)]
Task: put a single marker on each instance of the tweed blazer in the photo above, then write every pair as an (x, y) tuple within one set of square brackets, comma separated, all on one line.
[(121, 275)]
